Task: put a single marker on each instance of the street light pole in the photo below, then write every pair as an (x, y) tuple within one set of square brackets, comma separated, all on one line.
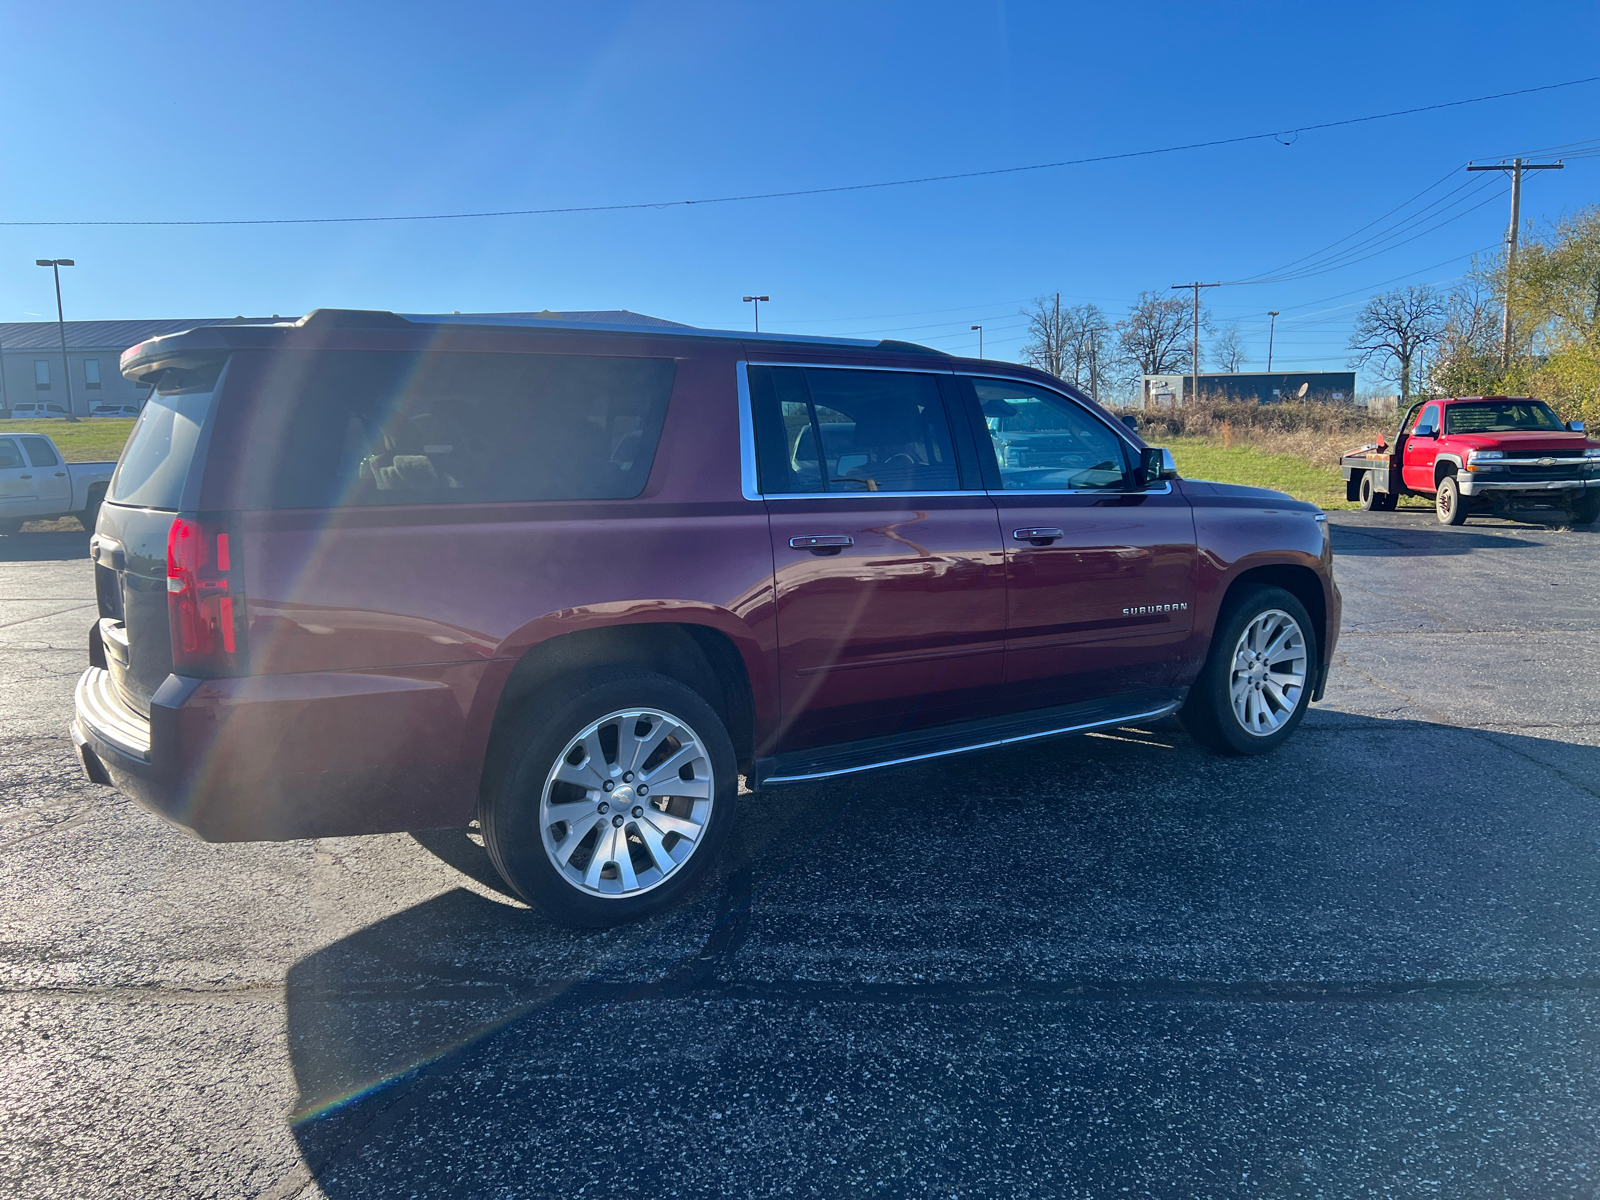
[(55, 265), (757, 301), (1272, 331), (979, 328)]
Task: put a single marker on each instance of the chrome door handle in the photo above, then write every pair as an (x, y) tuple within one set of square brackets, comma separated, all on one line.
[(826, 543), (1039, 537)]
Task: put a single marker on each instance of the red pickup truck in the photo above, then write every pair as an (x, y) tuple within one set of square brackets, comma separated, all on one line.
[(1476, 453)]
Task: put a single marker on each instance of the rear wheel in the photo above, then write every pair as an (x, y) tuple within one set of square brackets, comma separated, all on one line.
[(1586, 508), (91, 511), (1256, 684), (1371, 498), (611, 798), (1449, 505)]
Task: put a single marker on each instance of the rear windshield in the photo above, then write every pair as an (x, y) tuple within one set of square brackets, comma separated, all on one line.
[(155, 463), (333, 428), (1501, 416)]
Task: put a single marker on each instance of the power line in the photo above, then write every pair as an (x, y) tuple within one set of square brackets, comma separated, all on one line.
[(1279, 134)]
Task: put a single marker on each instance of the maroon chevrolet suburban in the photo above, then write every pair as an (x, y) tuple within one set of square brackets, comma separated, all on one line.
[(366, 573)]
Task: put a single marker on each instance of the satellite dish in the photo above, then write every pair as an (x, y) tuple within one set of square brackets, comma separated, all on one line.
[(1301, 394)]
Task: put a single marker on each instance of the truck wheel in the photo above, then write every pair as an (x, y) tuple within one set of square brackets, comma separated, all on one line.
[(1371, 498), (1449, 505), (10, 526), (91, 511), (1586, 508), (1256, 683), (610, 799)]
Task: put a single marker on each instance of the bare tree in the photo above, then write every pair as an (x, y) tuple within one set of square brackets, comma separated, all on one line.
[(1154, 337), (1087, 332), (1047, 335), (1467, 359), (1229, 349), (1396, 329)]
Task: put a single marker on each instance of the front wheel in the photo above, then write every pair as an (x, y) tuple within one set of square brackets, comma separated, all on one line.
[(1256, 683), (1449, 505), (610, 799), (1586, 508)]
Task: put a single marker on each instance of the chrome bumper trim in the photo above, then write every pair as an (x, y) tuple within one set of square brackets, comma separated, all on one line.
[(102, 713), (1472, 485)]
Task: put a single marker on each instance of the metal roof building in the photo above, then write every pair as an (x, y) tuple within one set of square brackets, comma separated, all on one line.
[(31, 367)]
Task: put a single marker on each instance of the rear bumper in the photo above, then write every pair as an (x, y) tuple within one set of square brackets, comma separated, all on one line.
[(317, 754), (1472, 484)]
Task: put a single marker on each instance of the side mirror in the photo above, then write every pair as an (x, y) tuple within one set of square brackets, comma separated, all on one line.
[(1131, 421), (1155, 464), (1575, 426)]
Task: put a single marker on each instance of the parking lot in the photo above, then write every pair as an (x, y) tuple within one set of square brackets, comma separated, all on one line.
[(1367, 965)]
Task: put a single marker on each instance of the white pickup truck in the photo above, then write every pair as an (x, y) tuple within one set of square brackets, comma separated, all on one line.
[(36, 484)]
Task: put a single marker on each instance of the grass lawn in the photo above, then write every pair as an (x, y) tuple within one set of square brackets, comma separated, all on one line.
[(96, 439), (1201, 458)]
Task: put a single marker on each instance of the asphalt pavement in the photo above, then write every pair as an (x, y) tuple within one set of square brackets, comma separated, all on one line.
[(1367, 965)]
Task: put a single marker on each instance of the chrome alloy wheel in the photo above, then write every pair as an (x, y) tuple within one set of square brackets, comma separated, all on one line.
[(626, 803), (1269, 672)]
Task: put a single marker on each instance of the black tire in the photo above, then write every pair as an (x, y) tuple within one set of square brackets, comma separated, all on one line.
[(1586, 508), (1208, 714), (525, 759), (10, 525), (1449, 505), (91, 512), (1370, 497)]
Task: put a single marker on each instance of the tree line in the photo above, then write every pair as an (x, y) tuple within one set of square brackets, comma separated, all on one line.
[(1528, 327), (1079, 344)]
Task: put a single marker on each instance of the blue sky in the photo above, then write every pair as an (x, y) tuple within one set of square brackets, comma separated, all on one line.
[(167, 111)]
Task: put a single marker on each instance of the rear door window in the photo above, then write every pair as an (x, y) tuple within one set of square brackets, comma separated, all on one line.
[(39, 452), (330, 429), (840, 430)]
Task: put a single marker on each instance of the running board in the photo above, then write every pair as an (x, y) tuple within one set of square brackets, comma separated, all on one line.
[(826, 762)]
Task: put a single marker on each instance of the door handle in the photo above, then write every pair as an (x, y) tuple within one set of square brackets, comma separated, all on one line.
[(826, 543), (1039, 537), (24, 476), (61, 474)]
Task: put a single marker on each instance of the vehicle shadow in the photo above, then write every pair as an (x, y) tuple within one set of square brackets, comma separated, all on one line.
[(1408, 542), (51, 545), (469, 1030)]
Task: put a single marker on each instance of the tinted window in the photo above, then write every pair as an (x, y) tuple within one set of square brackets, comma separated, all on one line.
[(1501, 416), (1044, 442), (327, 429), (837, 430), (155, 463), (39, 452), (10, 456)]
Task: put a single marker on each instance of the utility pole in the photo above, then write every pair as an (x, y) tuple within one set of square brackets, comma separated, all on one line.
[(55, 265), (1057, 352), (979, 328), (1197, 285), (758, 301), (1272, 332), (1516, 166)]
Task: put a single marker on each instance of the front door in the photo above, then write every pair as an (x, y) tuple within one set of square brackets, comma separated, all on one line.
[(889, 573), (1100, 572), (1420, 450), (18, 497)]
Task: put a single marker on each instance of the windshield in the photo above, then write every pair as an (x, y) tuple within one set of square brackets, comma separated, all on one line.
[(1501, 416)]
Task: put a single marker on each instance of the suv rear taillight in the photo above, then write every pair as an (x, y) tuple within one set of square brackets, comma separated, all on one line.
[(205, 599)]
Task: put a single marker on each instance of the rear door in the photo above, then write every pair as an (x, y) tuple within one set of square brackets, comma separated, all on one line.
[(1100, 572), (889, 575), (156, 478), (52, 487), (17, 496)]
